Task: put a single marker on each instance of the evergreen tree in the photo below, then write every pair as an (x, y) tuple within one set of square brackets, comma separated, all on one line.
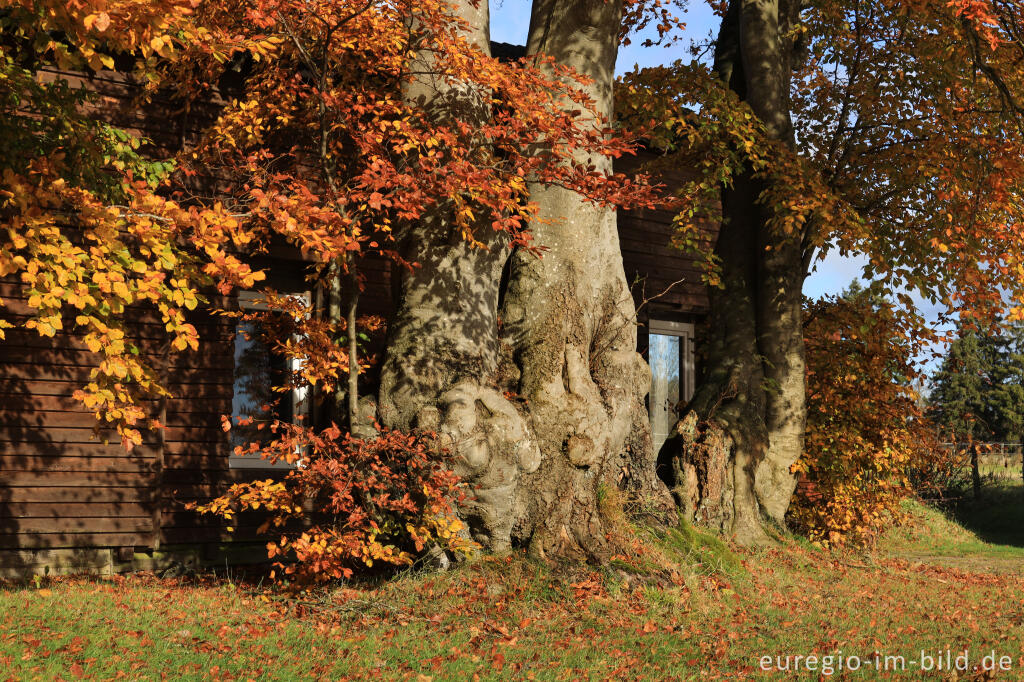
[(962, 388), (978, 391), (1006, 397)]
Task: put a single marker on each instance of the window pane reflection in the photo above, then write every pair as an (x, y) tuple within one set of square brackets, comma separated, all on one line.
[(663, 355)]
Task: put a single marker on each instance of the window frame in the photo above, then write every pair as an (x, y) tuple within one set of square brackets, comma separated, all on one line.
[(684, 331), (255, 301)]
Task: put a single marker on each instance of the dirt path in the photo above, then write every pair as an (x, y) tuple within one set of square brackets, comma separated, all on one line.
[(969, 563)]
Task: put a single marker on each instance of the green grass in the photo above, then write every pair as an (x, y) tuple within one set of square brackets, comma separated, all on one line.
[(688, 607), (699, 551), (975, 531), (998, 516), (1010, 473)]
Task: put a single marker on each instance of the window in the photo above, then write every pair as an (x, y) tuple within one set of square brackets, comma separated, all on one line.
[(670, 355), (257, 370)]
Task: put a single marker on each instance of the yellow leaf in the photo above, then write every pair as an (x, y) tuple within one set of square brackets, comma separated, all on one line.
[(100, 21)]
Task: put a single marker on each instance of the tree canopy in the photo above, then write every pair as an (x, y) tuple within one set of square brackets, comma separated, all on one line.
[(889, 129), (907, 130), (318, 150), (866, 431), (347, 129)]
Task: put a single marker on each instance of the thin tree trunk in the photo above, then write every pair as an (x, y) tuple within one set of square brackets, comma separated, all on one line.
[(975, 470), (351, 312), (335, 405)]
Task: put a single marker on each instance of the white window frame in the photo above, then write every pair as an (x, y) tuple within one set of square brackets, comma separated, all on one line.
[(255, 301), (687, 365)]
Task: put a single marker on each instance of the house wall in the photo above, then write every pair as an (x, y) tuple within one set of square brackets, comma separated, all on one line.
[(667, 276), (61, 483), (665, 281), (61, 488)]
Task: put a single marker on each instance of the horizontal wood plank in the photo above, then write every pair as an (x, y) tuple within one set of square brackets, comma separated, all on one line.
[(27, 417), (13, 433), (178, 409), (179, 390), (15, 371), (36, 510), (77, 479), (77, 494), (127, 464), (214, 460), (58, 540), (142, 525), (211, 358)]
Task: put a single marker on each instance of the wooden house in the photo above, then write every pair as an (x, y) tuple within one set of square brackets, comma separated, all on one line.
[(71, 502)]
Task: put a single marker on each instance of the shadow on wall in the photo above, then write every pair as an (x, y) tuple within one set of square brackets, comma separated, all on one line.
[(60, 487)]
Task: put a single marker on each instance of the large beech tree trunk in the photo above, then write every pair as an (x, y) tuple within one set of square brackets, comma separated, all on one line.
[(729, 462), (569, 317), (545, 411)]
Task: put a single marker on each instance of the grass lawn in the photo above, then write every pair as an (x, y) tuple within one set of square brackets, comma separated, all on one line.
[(988, 533), (692, 609)]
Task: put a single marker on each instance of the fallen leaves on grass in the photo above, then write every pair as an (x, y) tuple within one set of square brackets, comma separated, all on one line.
[(505, 617)]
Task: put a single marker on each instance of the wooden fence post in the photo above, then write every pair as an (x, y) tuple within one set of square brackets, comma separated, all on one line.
[(975, 471), (1018, 452)]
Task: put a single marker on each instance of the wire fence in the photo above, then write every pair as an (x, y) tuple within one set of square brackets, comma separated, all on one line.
[(997, 462)]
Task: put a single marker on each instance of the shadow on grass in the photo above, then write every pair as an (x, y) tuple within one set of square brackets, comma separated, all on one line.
[(997, 517)]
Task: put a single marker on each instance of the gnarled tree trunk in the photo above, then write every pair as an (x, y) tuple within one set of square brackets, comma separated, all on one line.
[(569, 317), (440, 370), (545, 411), (729, 462)]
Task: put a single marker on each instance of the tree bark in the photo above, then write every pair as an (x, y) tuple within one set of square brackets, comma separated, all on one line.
[(546, 413), (440, 366), (975, 471), (569, 318), (729, 462)]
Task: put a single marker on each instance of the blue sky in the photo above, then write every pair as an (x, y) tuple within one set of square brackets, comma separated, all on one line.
[(510, 21)]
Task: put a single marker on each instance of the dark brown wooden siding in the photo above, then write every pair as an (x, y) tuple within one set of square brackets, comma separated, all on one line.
[(65, 484), (668, 277), (61, 483), (61, 486), (165, 122)]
